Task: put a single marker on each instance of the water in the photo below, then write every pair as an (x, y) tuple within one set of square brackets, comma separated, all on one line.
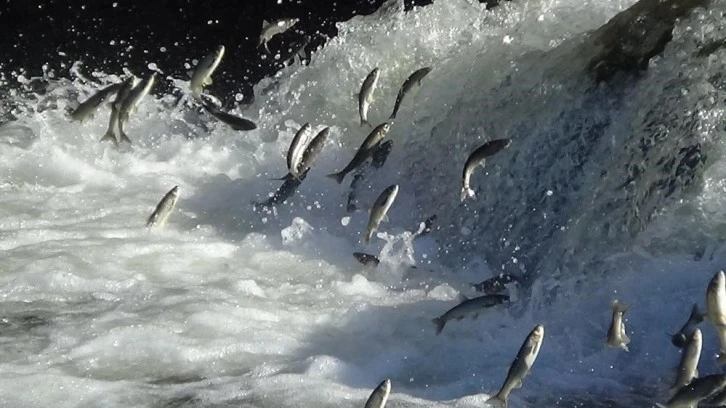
[(608, 190)]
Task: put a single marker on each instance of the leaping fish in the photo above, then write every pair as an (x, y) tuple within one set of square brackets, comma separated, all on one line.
[(87, 108), (274, 28), (617, 338), (379, 210), (164, 208), (379, 396), (478, 158), (364, 151), (468, 308), (408, 84), (521, 366), (202, 75), (365, 97)]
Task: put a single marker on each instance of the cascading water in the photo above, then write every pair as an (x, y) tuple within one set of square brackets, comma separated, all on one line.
[(611, 188)]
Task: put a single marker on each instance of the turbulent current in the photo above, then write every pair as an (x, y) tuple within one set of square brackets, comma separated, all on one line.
[(613, 187)]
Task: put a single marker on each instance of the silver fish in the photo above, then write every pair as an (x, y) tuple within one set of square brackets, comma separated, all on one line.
[(408, 84), (379, 155), (366, 259), (297, 146), (130, 103), (364, 151), (617, 338), (716, 310), (311, 151), (299, 54), (365, 97), (468, 307), (87, 108), (379, 396), (478, 158), (202, 75), (233, 121), (520, 367), (688, 366), (696, 317), (164, 208), (128, 85), (274, 28), (699, 389), (496, 284), (379, 210)]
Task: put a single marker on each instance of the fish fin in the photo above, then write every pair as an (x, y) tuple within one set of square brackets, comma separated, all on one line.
[(385, 218), (337, 177), (462, 298), (440, 323), (721, 357), (264, 45), (695, 372), (467, 192), (497, 401), (619, 307), (659, 405), (265, 23), (124, 138), (109, 136)]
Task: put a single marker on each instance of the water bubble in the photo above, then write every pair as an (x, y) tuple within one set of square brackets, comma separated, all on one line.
[(549, 193), (345, 221)]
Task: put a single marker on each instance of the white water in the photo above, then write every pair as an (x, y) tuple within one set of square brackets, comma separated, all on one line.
[(226, 306)]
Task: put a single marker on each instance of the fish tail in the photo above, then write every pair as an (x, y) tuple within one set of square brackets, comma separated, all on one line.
[(337, 177), (497, 401), (619, 307), (124, 138), (467, 192), (393, 115), (440, 323), (109, 136)]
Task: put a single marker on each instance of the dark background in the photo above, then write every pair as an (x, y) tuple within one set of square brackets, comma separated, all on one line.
[(110, 34)]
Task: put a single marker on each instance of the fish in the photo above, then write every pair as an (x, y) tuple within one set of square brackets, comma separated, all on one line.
[(425, 227), (496, 284), (379, 396), (716, 310), (128, 85), (365, 96), (164, 208), (379, 210), (696, 317), (413, 80), (617, 338), (129, 104), (468, 307), (297, 146), (87, 108), (520, 368), (233, 121), (366, 259), (688, 366), (308, 157), (271, 29), (378, 156), (478, 158), (298, 53), (286, 190), (364, 151), (202, 75), (699, 389)]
